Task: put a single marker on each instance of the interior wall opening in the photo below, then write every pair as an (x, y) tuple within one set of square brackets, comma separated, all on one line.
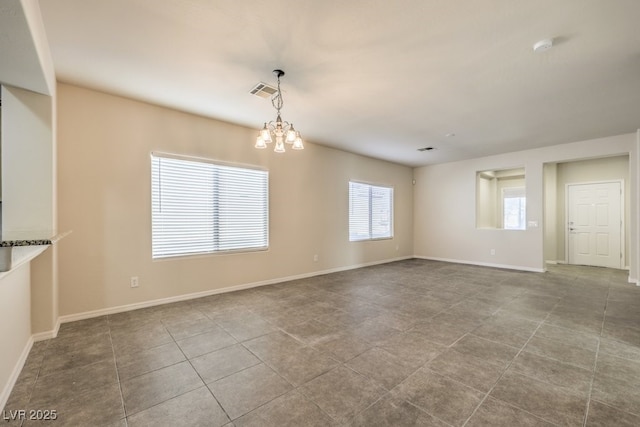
[(592, 181), (501, 199)]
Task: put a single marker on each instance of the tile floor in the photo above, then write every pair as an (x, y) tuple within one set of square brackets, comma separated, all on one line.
[(407, 343)]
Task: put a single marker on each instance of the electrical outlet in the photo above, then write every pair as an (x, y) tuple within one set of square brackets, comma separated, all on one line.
[(315, 258), (134, 281), (493, 251)]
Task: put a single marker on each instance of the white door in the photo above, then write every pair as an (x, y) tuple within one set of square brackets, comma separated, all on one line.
[(595, 224)]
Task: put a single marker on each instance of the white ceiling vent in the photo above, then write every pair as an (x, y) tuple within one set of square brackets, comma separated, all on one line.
[(263, 90)]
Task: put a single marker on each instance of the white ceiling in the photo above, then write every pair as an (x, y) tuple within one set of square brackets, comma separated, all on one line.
[(376, 77)]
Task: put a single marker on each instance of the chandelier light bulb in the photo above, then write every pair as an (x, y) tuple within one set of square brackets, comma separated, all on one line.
[(265, 134), (279, 146), (260, 143), (297, 143), (291, 135)]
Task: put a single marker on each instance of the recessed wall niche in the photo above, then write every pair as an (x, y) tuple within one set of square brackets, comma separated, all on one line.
[(501, 199)]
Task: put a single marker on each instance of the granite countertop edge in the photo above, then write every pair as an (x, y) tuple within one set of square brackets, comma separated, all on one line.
[(32, 242)]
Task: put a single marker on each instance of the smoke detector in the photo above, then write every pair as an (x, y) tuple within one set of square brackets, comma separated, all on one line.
[(543, 45)]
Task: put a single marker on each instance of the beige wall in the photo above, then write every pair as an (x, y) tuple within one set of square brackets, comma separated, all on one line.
[(592, 170), (444, 209), (104, 143), (486, 202), (550, 225)]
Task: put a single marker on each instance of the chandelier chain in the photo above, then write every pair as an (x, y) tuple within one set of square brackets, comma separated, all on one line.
[(277, 101)]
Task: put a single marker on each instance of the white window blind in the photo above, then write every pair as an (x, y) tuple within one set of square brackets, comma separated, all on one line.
[(201, 207), (370, 211)]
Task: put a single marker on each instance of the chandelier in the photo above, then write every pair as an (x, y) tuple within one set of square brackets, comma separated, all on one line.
[(279, 131)]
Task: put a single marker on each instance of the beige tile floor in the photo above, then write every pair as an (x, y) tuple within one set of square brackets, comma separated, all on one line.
[(408, 343)]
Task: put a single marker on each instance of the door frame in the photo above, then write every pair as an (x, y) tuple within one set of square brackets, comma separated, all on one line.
[(623, 236)]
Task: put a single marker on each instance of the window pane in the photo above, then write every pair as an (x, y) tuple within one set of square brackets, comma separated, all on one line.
[(241, 207), (358, 211), (514, 213), (380, 212), (201, 207), (370, 212)]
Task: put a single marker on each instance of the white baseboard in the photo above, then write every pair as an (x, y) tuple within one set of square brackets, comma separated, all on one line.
[(6, 391), (484, 264), (41, 336), (185, 297)]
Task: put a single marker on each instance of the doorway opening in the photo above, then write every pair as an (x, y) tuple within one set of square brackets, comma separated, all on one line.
[(565, 246)]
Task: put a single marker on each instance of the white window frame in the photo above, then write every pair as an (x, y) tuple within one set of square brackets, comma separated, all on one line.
[(207, 207), (362, 224)]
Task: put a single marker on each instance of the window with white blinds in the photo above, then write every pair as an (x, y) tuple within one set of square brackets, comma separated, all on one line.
[(202, 207), (370, 212)]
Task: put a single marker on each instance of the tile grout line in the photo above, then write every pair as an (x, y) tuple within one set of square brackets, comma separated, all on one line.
[(487, 393), (470, 333), (593, 375), (595, 365), (173, 364), (195, 370), (295, 388), (431, 415), (115, 364), (35, 380), (187, 359), (482, 324), (545, 339), (472, 388), (299, 390), (507, 368)]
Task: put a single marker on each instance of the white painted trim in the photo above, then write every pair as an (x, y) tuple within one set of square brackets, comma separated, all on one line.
[(185, 297), (484, 264), (42, 336), (11, 382)]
